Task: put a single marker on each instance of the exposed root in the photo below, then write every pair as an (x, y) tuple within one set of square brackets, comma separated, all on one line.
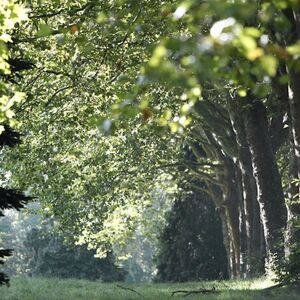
[(192, 292), (129, 289)]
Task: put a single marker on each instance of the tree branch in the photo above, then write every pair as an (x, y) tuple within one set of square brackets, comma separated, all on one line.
[(70, 13), (187, 164), (57, 92)]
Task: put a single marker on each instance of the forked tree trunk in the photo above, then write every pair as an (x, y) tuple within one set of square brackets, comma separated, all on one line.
[(267, 177)]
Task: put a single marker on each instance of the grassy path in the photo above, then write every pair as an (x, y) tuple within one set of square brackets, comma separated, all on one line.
[(72, 289)]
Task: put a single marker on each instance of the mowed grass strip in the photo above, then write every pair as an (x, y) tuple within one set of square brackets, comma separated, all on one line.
[(74, 289)]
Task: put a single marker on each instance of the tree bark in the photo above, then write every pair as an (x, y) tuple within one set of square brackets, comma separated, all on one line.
[(294, 87), (294, 103), (268, 180), (231, 204)]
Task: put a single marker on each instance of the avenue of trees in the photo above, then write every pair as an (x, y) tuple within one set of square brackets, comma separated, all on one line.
[(120, 102)]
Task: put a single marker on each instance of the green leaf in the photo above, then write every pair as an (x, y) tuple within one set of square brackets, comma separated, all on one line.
[(242, 92), (247, 42), (294, 49), (269, 64), (102, 17), (44, 30)]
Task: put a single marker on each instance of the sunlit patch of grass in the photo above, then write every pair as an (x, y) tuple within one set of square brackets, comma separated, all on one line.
[(262, 283), (74, 289)]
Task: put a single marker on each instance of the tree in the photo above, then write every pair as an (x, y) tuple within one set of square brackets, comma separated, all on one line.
[(10, 198), (191, 245)]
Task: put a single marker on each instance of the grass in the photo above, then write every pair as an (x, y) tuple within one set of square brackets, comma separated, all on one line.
[(74, 289)]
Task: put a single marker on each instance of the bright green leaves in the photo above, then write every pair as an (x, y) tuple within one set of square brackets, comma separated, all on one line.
[(176, 75), (269, 64), (294, 49), (44, 30), (244, 55), (242, 92), (158, 56), (102, 18), (6, 105), (283, 4), (10, 14), (247, 43), (250, 43)]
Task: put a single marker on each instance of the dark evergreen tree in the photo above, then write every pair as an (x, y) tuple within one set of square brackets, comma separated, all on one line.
[(9, 198), (191, 245)]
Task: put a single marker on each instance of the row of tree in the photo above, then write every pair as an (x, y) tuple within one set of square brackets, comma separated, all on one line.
[(221, 76)]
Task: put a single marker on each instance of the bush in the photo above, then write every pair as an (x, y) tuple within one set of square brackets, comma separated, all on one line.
[(50, 257)]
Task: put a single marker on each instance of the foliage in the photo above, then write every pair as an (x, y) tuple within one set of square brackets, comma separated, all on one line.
[(139, 264), (10, 15), (50, 257), (16, 228), (76, 171)]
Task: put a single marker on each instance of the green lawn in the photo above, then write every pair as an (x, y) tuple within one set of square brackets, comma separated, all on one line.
[(72, 289)]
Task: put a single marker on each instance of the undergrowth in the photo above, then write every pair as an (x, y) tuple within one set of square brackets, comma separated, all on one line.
[(73, 289)]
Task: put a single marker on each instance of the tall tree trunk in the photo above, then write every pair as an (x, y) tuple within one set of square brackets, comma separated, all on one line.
[(242, 222), (267, 177), (292, 243), (231, 204), (293, 231), (294, 103), (255, 257), (294, 84)]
